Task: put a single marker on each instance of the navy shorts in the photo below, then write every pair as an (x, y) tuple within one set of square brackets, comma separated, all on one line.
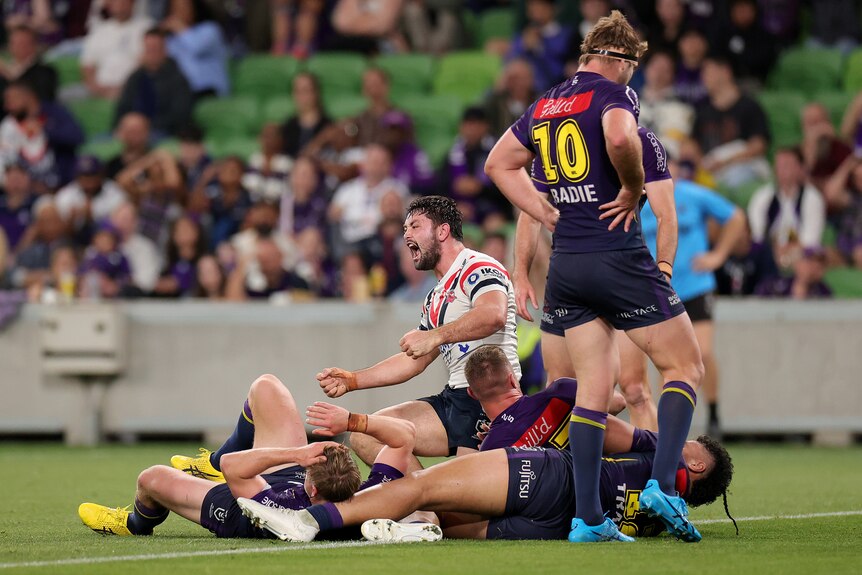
[(221, 514), (541, 499), (625, 287), (461, 415)]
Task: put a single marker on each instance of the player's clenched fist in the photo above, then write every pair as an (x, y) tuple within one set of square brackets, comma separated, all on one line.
[(335, 381), (330, 420), (417, 343)]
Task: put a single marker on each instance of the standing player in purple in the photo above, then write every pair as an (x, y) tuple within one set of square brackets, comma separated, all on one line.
[(602, 277)]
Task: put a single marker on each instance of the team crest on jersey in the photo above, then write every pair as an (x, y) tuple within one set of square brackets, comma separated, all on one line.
[(449, 296)]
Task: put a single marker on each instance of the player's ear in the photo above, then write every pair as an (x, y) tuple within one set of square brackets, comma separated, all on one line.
[(513, 383), (443, 232), (697, 465), (312, 490), (471, 394)]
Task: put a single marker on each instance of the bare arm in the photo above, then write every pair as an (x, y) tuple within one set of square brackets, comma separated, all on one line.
[(835, 190), (619, 435), (731, 233), (349, 18), (850, 121), (393, 370), (505, 167), (487, 316), (660, 196), (242, 469), (397, 435), (526, 241), (626, 154)]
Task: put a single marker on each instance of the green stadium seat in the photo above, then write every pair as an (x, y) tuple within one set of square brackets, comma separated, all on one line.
[(94, 114), (496, 23), (242, 147), (853, 73), (408, 73), (830, 236), (68, 70), (467, 75), (222, 118), (263, 76), (836, 102), (277, 109), (171, 145), (348, 106), (434, 115), (104, 149), (808, 70), (783, 110), (339, 73), (846, 283)]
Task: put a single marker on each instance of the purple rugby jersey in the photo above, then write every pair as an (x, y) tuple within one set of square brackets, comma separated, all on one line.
[(538, 420), (564, 130), (294, 496)]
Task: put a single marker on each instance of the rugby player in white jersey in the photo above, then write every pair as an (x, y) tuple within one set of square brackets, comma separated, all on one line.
[(472, 305)]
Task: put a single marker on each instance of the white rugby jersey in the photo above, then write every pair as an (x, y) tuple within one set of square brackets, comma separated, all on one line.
[(470, 275)]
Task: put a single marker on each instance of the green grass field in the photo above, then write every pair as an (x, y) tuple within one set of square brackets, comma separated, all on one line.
[(42, 485)]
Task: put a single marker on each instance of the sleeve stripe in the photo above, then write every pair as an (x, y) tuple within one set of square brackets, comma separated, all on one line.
[(480, 264), (486, 283)]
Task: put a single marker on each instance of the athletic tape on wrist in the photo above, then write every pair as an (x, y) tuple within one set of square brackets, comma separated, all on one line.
[(357, 422)]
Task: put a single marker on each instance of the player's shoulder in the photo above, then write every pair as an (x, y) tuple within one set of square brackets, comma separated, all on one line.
[(481, 270)]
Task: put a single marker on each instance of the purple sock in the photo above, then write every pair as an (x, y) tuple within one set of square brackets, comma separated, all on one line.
[(327, 516), (675, 409), (143, 519), (241, 438), (586, 436)]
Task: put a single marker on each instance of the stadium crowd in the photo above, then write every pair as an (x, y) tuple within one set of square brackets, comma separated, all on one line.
[(129, 168)]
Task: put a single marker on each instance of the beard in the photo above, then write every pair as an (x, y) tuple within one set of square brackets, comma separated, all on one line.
[(428, 258)]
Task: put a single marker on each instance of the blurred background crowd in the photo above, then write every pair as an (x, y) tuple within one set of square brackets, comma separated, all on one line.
[(252, 149)]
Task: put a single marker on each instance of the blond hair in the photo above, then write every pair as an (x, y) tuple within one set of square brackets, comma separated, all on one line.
[(612, 31), (487, 371), (337, 478)]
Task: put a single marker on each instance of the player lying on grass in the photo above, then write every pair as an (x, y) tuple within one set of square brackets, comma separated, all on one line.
[(282, 470), (510, 493), (522, 492)]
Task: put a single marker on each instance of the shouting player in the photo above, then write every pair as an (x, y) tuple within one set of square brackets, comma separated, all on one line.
[(472, 304), (281, 470), (583, 133)]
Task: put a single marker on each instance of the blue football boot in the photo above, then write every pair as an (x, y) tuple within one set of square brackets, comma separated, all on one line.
[(671, 510), (605, 531)]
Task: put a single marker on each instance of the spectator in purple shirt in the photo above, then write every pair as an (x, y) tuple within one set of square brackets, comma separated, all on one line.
[(187, 245), (465, 168), (104, 259), (16, 204), (409, 163), (303, 205), (692, 48), (544, 42), (806, 281)]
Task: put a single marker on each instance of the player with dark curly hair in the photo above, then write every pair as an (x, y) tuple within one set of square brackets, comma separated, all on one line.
[(472, 305)]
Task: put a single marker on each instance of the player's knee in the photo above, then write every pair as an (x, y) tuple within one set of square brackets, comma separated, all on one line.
[(632, 387), (694, 372), (266, 386), (151, 478)]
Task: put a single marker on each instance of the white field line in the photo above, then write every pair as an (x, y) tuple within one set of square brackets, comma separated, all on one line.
[(337, 545)]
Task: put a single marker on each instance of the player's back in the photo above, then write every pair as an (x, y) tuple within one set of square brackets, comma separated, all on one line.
[(538, 420), (564, 130)]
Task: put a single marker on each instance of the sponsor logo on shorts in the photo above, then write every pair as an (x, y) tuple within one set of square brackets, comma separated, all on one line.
[(526, 475), (641, 311), (561, 312), (217, 513), (673, 299), (548, 319)]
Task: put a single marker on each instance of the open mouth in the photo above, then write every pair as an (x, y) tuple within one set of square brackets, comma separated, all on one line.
[(415, 252)]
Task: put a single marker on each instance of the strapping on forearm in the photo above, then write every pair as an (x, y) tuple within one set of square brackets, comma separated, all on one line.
[(357, 422)]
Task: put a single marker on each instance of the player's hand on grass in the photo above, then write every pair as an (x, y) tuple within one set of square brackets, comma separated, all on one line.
[(524, 291), (335, 381), (417, 343), (708, 261), (312, 453), (623, 209), (330, 420)]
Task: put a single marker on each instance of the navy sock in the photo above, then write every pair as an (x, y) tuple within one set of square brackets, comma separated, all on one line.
[(241, 438), (586, 436), (143, 519), (327, 516), (675, 408)]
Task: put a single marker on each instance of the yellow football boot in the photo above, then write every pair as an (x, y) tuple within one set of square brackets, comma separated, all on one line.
[(105, 520), (199, 466)]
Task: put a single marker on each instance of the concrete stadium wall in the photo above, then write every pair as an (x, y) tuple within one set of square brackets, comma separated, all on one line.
[(785, 366)]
